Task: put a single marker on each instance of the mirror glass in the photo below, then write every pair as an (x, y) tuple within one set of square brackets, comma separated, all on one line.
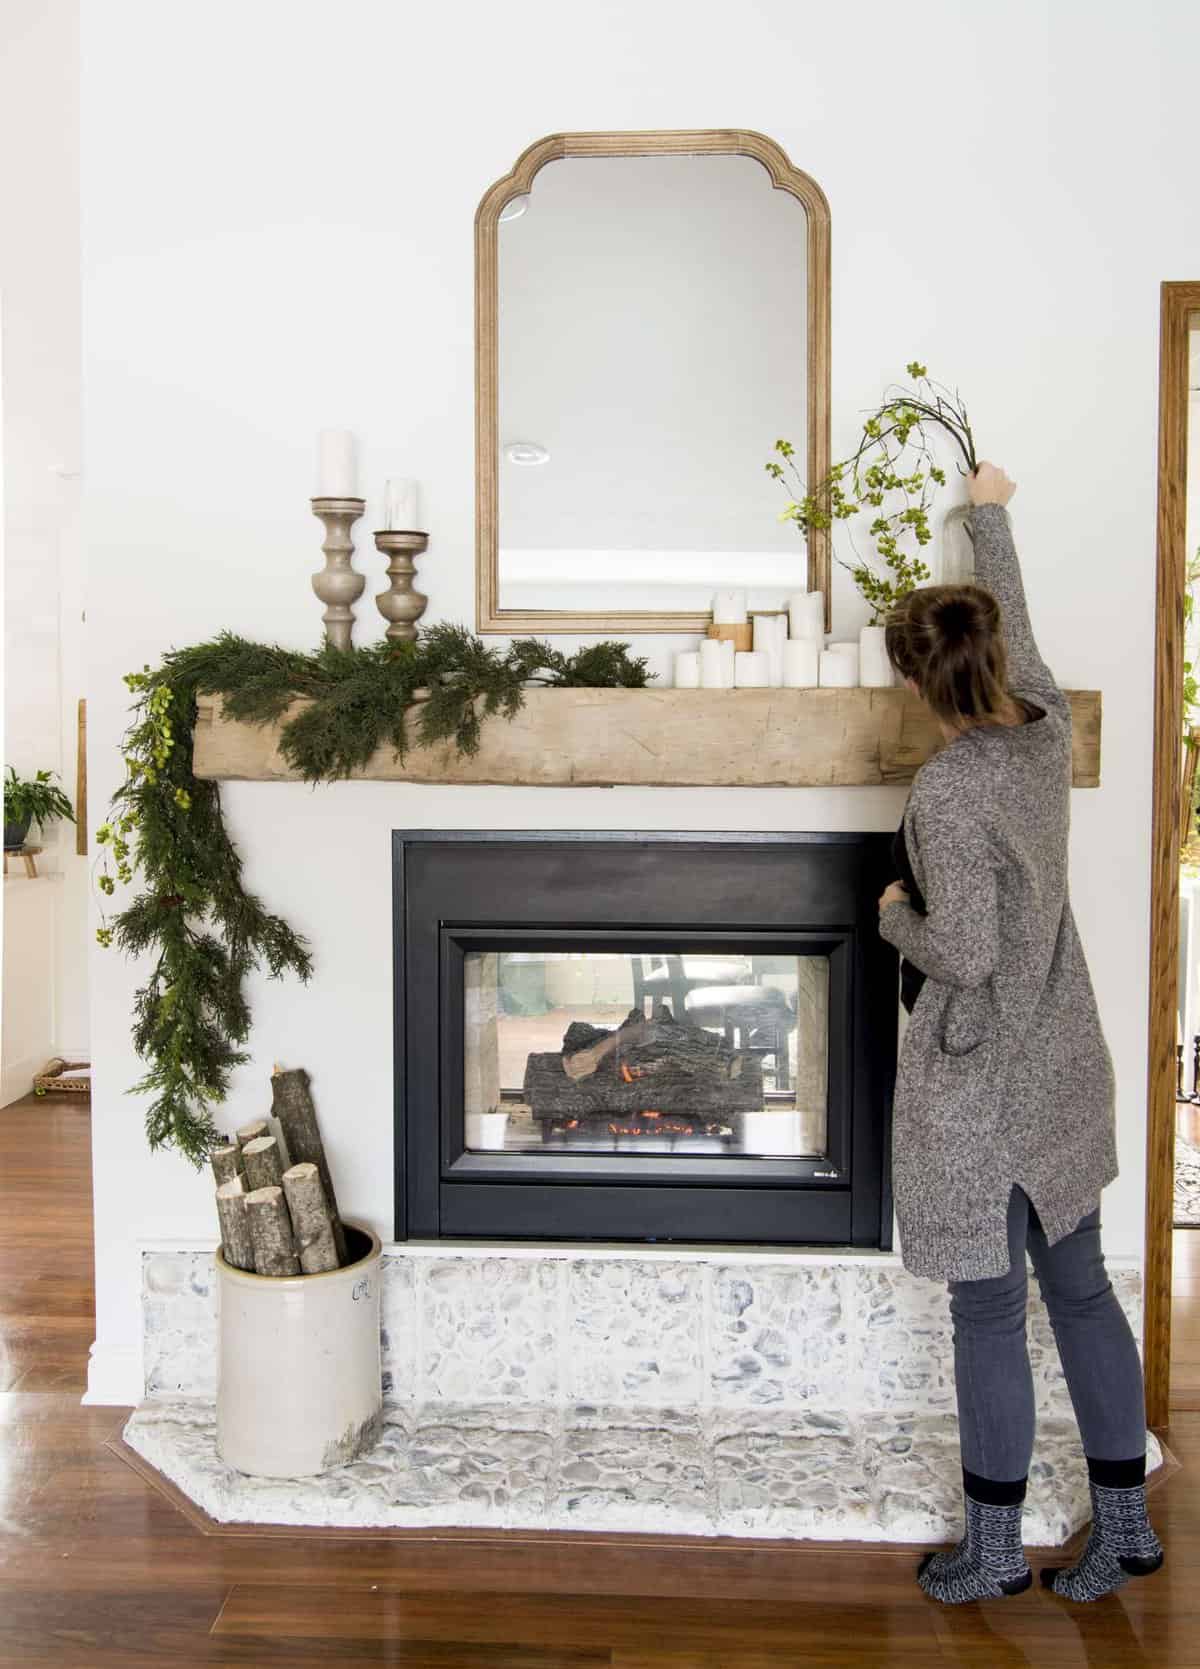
[(651, 348)]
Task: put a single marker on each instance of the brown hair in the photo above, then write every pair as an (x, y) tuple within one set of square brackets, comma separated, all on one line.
[(947, 639)]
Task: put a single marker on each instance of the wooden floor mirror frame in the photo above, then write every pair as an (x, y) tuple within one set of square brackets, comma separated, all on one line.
[(1180, 303), (490, 616)]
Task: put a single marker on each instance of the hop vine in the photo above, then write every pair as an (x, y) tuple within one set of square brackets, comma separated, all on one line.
[(893, 475)]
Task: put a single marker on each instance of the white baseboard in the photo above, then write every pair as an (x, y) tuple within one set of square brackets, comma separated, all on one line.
[(116, 1376)]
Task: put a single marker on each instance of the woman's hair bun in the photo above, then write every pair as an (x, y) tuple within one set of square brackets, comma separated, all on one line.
[(955, 619)]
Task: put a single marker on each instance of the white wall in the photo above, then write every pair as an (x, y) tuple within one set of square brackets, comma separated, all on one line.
[(278, 208), (45, 920)]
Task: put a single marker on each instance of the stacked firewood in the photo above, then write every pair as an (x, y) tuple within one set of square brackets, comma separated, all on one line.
[(275, 1200)]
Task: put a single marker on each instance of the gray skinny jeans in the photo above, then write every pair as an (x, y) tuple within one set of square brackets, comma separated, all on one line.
[(1095, 1345)]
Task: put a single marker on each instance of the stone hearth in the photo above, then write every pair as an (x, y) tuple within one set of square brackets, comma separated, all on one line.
[(703, 1392)]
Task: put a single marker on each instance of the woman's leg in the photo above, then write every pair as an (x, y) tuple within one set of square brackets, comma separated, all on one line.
[(994, 1385), (1104, 1376)]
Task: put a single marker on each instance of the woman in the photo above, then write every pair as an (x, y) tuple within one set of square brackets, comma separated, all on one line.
[(1004, 1094)]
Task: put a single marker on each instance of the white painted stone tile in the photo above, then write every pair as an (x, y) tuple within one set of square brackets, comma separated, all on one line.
[(634, 1333), (905, 1348), (777, 1335), (633, 1479), (398, 1328), (489, 1331), (790, 1485)]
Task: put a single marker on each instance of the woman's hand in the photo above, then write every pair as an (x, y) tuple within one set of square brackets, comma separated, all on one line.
[(897, 893), (990, 485)]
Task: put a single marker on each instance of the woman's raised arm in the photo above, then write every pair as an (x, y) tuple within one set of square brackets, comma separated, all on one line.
[(998, 571)]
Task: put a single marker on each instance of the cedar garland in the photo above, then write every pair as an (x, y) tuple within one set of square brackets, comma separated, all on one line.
[(193, 916)]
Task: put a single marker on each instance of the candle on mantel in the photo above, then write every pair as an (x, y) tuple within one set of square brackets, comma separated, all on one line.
[(402, 505), (801, 660), (712, 675), (752, 670), (806, 610), (729, 608), (337, 464), (837, 671), (687, 670)]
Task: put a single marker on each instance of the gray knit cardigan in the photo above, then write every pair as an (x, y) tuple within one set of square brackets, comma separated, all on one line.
[(1004, 1076)]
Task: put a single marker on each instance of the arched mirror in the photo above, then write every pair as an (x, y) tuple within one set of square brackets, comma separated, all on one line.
[(652, 313)]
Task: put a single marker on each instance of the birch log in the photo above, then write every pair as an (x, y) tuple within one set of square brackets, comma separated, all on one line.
[(271, 1232), (251, 1132), (226, 1162), (260, 1159), (312, 1223), (292, 1105), (235, 1225)]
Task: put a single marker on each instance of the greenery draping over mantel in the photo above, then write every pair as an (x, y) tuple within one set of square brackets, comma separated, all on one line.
[(166, 831)]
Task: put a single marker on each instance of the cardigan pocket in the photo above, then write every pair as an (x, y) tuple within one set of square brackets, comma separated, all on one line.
[(968, 1022)]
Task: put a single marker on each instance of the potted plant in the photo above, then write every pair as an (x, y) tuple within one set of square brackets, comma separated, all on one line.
[(893, 472), (29, 800)]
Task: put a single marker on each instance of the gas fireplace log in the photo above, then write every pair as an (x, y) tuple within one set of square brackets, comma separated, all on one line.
[(251, 1132), (226, 1162), (583, 1062), (292, 1105), (261, 1162), (271, 1233), (312, 1223), (236, 1243)]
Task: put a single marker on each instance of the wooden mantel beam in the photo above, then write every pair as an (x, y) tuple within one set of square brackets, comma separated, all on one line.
[(580, 738)]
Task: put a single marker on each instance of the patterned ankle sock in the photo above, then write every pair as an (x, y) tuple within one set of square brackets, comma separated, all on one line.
[(1122, 1543), (990, 1561)]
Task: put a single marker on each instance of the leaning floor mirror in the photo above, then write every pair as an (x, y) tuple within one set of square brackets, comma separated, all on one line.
[(652, 314)]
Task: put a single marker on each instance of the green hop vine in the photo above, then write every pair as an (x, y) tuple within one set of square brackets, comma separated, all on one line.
[(894, 473)]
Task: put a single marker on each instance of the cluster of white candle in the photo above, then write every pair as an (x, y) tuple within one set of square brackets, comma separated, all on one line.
[(337, 477), (790, 650)]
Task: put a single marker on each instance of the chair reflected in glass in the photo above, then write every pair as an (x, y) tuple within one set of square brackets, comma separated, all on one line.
[(729, 995)]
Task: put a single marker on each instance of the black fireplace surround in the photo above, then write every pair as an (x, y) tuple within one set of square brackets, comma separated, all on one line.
[(758, 900)]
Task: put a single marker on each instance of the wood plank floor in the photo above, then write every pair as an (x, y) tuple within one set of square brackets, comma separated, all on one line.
[(98, 1569)]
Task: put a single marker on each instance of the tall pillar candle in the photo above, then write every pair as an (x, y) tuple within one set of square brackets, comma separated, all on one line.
[(801, 663), (712, 664), (806, 613), (337, 464), (770, 632), (687, 670), (729, 608), (874, 668), (728, 664), (752, 671)]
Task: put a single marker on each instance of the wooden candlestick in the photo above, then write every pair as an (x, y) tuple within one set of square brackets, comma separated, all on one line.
[(337, 585), (401, 603)]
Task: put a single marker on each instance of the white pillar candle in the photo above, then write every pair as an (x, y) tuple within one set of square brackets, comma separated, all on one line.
[(770, 634), (337, 464), (729, 608), (752, 671), (801, 663), (806, 611), (687, 670), (728, 663), (837, 671), (712, 664), (850, 650), (402, 505), (874, 668)]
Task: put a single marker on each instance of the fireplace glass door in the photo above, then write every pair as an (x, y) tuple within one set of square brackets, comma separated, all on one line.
[(646, 1052)]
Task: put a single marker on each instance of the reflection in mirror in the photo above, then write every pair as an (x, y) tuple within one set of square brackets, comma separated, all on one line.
[(652, 345)]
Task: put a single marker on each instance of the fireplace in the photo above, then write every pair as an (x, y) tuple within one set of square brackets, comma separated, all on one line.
[(643, 1037)]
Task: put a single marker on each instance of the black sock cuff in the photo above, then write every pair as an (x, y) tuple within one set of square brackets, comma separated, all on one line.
[(992, 1492), (1117, 1474)]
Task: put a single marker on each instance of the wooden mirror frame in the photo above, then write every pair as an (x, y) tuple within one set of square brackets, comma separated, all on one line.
[(490, 617)]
